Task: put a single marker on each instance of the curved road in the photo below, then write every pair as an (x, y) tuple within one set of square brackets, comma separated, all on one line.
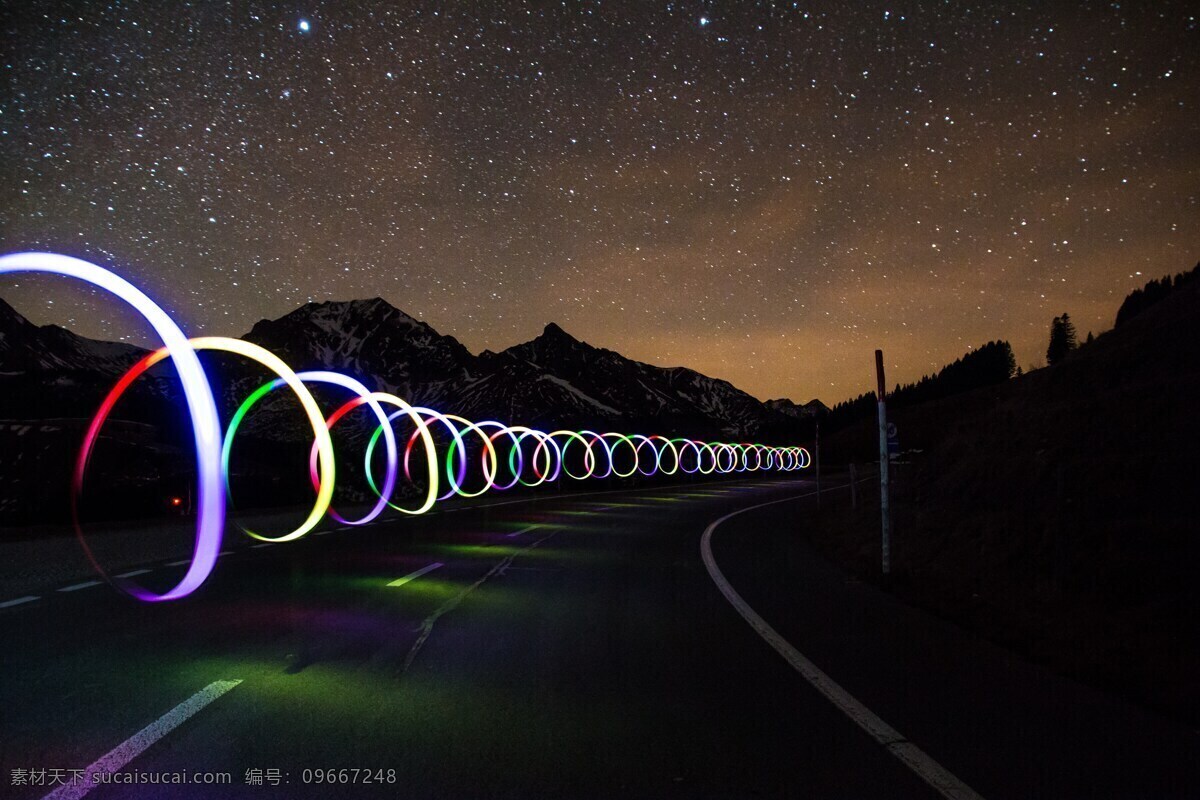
[(554, 647)]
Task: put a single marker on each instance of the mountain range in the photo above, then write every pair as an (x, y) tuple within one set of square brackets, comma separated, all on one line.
[(553, 380), (25, 347)]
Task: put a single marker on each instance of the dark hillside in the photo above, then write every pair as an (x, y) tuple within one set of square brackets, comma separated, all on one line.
[(1056, 512), (1153, 292)]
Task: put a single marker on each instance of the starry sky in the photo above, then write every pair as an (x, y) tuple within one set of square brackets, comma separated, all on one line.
[(765, 193)]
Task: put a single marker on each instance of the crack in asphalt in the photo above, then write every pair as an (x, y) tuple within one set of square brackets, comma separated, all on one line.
[(427, 625)]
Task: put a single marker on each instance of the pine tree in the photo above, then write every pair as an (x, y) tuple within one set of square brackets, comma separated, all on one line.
[(1062, 339), (1069, 328), (1055, 350)]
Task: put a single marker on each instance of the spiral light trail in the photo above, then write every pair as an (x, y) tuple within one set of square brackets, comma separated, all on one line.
[(489, 455)]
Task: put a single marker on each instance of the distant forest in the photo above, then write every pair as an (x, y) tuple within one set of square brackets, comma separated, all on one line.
[(1153, 292), (991, 364)]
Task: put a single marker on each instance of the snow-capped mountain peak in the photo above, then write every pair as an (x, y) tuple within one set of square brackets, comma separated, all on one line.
[(553, 379)]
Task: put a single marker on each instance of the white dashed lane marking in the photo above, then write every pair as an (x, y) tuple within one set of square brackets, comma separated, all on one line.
[(77, 586), (117, 758), (412, 576), (515, 534)]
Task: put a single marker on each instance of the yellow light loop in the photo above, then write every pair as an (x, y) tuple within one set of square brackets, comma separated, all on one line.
[(315, 418)]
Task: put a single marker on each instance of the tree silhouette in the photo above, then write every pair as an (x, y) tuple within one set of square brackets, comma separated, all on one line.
[(1153, 292), (1062, 339), (990, 364)]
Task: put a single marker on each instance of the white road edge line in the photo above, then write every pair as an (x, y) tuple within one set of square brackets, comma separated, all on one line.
[(515, 534), (920, 762), (132, 573), (74, 587), (29, 598), (412, 576), (178, 563), (134, 746)]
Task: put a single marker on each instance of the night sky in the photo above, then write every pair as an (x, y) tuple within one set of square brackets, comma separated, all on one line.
[(765, 195)]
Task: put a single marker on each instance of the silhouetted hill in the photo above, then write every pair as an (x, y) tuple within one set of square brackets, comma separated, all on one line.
[(51, 382), (49, 372), (1153, 292), (1056, 511), (25, 347), (810, 410), (989, 365)]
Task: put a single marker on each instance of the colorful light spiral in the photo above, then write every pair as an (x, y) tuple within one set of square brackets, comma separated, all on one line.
[(489, 455)]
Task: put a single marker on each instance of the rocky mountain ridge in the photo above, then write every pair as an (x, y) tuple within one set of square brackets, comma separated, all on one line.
[(553, 379)]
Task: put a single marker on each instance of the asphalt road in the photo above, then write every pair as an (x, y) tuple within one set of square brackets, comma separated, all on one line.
[(562, 647)]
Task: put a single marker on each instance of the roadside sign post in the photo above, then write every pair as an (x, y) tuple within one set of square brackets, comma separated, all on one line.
[(817, 447), (884, 506), (853, 486)]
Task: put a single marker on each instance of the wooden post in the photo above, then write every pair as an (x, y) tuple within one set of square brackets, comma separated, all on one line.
[(818, 464), (853, 486), (884, 506)]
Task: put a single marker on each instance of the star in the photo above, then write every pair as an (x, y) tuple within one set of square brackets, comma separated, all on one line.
[(666, 197)]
